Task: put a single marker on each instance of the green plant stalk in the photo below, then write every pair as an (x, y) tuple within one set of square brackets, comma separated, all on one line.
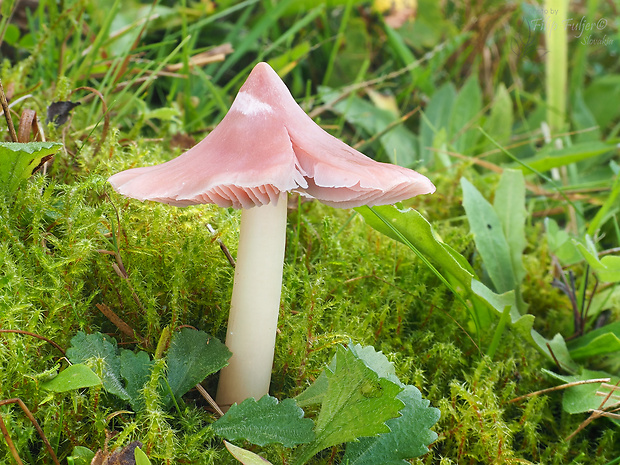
[(614, 461), (578, 67), (399, 47), (163, 343), (611, 201), (185, 56), (264, 25), (292, 31), (94, 48), (338, 42), (7, 13), (499, 330), (174, 400), (556, 65), (145, 84)]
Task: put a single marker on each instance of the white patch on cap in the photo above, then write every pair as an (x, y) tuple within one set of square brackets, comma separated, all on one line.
[(250, 105)]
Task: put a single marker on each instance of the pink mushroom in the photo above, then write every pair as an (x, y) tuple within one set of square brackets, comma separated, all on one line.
[(265, 147)]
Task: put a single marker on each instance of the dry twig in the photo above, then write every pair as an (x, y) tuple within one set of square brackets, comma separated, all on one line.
[(28, 413), (7, 114)]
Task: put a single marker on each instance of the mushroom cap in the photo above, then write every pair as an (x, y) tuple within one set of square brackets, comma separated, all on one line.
[(266, 144)]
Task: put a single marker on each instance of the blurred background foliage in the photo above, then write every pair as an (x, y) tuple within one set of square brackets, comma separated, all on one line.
[(407, 82)]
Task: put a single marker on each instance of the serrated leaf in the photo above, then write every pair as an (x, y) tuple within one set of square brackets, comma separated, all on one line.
[(376, 361), (489, 237), (76, 376), (315, 393), (266, 421), (96, 346), (19, 160), (245, 456), (136, 370), (193, 355), (357, 403), (409, 436)]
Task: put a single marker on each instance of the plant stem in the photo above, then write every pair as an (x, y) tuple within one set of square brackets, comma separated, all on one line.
[(556, 66), (497, 336), (7, 114), (255, 304)]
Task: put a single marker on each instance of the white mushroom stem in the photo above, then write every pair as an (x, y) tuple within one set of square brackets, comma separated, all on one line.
[(255, 304)]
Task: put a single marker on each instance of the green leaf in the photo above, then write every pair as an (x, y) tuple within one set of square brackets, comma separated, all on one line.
[(18, 161), (431, 26), (583, 119), (608, 210), (436, 116), (550, 157), (193, 355), (522, 323), (164, 114), (555, 349), (582, 398), (73, 377), (81, 456), (602, 96), (597, 342), (500, 120), (265, 422), (489, 237), (509, 205), (245, 456), (560, 243), (409, 436), (11, 34), (467, 107), (141, 457), (86, 347), (289, 59), (398, 142), (376, 361), (357, 403), (136, 370), (415, 228), (607, 269), (315, 393)]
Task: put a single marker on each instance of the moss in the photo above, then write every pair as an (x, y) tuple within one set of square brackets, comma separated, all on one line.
[(343, 281)]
